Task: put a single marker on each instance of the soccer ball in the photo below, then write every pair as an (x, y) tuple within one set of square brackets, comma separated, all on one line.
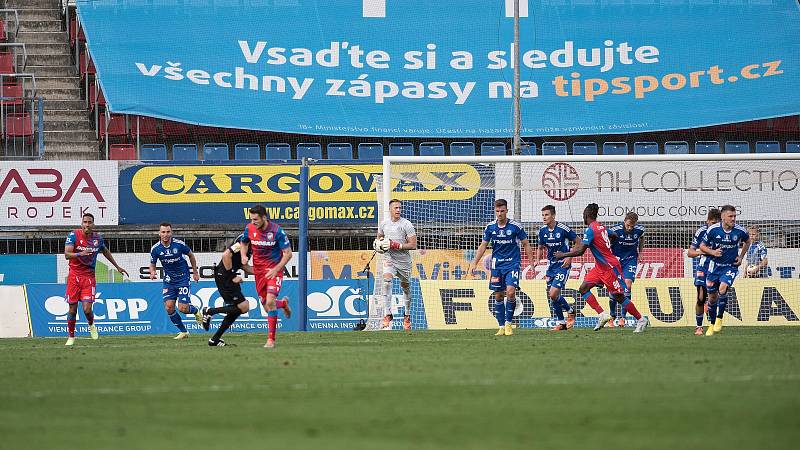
[(381, 245), (752, 269)]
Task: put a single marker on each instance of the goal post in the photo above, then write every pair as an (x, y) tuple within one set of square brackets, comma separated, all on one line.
[(450, 200)]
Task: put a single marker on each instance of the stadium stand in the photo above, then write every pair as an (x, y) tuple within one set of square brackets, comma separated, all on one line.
[(311, 150), (401, 149), (793, 147), (122, 152), (247, 152), (493, 149), (431, 149), (216, 151), (340, 150), (706, 147), (554, 148), (153, 152), (184, 152), (278, 151), (737, 147), (584, 148), (676, 148), (462, 149), (645, 148), (370, 150), (768, 147), (615, 148)]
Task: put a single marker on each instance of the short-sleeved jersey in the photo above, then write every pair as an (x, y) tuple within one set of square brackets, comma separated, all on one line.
[(625, 245), (266, 245), (556, 239), (729, 241), (84, 265), (236, 250), (756, 253), (699, 235), (596, 238), (399, 231), (173, 260), (505, 244)]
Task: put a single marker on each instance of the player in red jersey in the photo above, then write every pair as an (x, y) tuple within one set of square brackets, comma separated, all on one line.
[(81, 249), (271, 252), (606, 271)]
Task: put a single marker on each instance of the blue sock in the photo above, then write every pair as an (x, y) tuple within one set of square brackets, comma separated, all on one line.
[(558, 309), (564, 304), (612, 308), (722, 303), (712, 312), (699, 318), (500, 312), (511, 305), (192, 309), (176, 319)]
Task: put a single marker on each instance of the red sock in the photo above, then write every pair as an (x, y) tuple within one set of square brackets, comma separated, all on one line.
[(71, 327), (631, 308), (592, 301), (280, 303), (272, 323)]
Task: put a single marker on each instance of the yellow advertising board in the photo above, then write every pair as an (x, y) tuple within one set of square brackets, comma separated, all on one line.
[(667, 302)]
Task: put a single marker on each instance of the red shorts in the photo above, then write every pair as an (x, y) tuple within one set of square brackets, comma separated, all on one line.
[(266, 286), (610, 278), (80, 288)]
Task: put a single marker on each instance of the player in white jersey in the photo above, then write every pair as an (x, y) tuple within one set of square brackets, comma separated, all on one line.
[(397, 237)]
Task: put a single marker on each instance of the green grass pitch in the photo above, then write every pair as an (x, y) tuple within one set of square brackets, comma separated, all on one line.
[(664, 389)]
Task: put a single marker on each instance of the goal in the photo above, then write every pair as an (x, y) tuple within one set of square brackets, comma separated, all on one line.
[(450, 201)]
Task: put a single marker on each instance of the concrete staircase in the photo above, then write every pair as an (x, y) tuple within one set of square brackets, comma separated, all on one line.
[(68, 133)]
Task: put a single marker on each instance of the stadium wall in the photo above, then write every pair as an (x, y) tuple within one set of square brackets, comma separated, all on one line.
[(13, 312)]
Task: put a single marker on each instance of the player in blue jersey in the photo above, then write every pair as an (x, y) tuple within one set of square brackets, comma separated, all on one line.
[(757, 262), (727, 243), (626, 244), (172, 253), (701, 268), (505, 236), (554, 237)]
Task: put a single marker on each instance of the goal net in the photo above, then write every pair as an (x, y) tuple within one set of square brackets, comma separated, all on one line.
[(450, 201)]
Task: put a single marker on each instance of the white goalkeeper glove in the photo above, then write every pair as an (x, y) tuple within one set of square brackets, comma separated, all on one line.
[(382, 245)]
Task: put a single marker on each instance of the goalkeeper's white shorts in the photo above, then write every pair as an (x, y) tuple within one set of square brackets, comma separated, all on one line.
[(403, 273)]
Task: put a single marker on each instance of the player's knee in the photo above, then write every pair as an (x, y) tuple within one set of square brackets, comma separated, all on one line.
[(170, 309), (404, 285), (244, 307)]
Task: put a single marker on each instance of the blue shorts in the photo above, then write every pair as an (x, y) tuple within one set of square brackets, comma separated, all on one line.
[(629, 269), (700, 276), (556, 276), (501, 278), (179, 293), (720, 275)]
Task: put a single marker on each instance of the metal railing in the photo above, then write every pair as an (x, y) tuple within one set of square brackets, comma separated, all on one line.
[(21, 117), (5, 14)]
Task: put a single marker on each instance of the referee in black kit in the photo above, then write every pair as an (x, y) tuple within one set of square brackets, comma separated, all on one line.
[(228, 280)]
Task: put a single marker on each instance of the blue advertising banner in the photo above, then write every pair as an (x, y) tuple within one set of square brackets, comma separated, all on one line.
[(137, 308), (21, 269), (204, 194), (444, 68)]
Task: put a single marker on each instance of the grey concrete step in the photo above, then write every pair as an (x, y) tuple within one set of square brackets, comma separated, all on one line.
[(58, 82), (47, 48), (21, 4), (68, 125), (32, 13), (42, 36), (56, 104), (49, 60), (59, 93), (40, 25), (52, 71), (70, 153), (66, 115), (69, 136)]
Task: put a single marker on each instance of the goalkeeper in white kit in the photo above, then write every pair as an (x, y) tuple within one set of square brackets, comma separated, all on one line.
[(396, 237)]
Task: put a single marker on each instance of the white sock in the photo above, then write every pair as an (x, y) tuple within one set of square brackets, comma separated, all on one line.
[(387, 296), (407, 302)]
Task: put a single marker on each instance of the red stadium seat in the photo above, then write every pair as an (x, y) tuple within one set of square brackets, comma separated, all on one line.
[(3, 34), (11, 93), (73, 24), (124, 152), (101, 99), (116, 126), (18, 125), (785, 123), (176, 129), (146, 126), (7, 63), (82, 65)]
